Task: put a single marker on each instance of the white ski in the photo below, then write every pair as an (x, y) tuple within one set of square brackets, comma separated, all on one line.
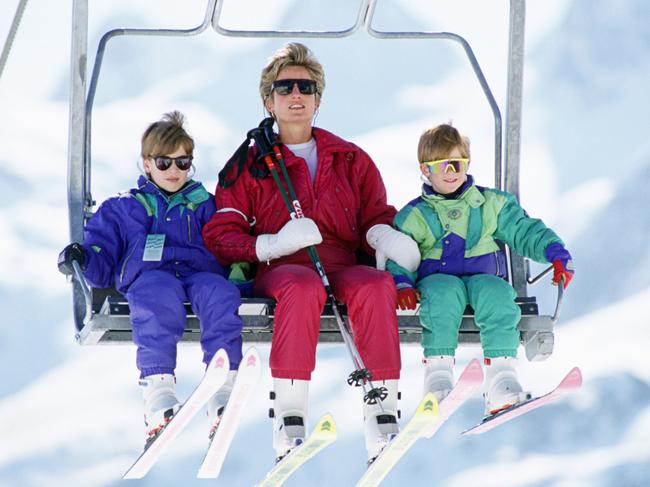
[(424, 419), (214, 377), (250, 370), (323, 435)]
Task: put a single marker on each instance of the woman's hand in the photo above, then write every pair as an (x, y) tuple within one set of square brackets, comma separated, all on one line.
[(293, 236), (394, 245)]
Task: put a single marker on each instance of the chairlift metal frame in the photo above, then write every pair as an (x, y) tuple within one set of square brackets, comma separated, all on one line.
[(102, 316)]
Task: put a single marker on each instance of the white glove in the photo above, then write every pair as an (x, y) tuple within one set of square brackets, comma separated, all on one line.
[(293, 236), (396, 246)]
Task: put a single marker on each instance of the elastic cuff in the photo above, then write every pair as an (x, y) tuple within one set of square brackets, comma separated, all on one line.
[(433, 352), (385, 374), (291, 374), (500, 353), (147, 371)]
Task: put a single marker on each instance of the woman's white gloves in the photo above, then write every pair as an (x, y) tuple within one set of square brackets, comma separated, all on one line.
[(394, 245), (293, 236)]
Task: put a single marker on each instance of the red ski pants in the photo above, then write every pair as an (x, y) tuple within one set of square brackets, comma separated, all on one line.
[(370, 297)]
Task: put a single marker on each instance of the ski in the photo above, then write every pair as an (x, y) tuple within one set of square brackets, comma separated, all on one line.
[(248, 375), (426, 415), (570, 383), (424, 424), (323, 435), (214, 377)]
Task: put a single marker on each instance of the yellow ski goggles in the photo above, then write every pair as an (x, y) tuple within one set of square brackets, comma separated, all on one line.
[(448, 165)]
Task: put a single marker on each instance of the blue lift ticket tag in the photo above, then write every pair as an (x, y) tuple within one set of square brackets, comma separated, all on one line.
[(153, 248)]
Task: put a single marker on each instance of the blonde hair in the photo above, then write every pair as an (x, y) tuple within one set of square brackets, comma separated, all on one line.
[(438, 142), (165, 136), (292, 54)]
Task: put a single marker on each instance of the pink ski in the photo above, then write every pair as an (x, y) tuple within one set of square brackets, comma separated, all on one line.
[(570, 383)]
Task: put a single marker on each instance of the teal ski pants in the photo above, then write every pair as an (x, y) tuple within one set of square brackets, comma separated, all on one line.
[(443, 301)]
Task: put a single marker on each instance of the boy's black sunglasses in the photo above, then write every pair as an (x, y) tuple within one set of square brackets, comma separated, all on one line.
[(285, 86), (163, 162)]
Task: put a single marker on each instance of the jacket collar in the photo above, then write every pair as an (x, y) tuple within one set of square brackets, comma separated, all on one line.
[(326, 143), (192, 192), (467, 192)]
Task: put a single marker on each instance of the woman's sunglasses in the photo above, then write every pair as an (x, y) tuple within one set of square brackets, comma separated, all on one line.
[(448, 165), (285, 86), (163, 162)]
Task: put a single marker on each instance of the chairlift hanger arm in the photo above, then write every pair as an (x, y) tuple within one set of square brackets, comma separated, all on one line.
[(361, 15)]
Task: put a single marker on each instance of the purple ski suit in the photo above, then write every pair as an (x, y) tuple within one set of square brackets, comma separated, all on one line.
[(115, 239)]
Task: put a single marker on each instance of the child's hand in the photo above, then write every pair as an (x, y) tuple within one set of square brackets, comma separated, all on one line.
[(562, 269), (72, 252), (407, 298), (562, 264)]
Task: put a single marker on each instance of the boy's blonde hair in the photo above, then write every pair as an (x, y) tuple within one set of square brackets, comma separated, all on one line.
[(292, 54), (165, 136), (438, 142)]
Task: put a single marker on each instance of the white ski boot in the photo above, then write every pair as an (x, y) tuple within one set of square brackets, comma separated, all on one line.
[(381, 426), (289, 413), (502, 389), (438, 376), (217, 403), (160, 403)]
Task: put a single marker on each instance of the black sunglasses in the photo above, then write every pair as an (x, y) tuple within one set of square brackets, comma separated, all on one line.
[(285, 86), (163, 162)]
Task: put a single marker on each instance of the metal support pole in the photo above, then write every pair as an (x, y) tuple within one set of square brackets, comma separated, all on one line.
[(513, 124), (76, 190)]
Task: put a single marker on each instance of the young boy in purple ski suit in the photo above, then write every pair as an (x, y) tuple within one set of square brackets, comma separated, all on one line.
[(147, 243)]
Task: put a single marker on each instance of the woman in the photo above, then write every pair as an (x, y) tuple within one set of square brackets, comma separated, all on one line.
[(344, 202)]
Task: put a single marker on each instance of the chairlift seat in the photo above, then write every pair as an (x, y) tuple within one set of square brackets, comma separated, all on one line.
[(110, 323)]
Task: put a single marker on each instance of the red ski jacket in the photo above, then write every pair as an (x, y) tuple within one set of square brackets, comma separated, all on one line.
[(347, 197)]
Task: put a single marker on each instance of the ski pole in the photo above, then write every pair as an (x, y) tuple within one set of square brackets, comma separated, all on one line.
[(264, 138)]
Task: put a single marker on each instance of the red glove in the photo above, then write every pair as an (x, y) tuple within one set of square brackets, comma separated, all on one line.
[(562, 269), (407, 298)]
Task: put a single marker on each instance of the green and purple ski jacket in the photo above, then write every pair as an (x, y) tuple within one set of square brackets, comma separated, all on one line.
[(459, 236)]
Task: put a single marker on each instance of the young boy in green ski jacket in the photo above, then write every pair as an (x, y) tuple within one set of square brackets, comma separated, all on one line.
[(457, 225)]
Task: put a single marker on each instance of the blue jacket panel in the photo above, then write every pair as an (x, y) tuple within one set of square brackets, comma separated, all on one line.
[(116, 235)]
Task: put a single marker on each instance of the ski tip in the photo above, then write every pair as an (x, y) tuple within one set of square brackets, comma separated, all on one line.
[(251, 358), (573, 379), (473, 372), (220, 360), (428, 405), (326, 425)]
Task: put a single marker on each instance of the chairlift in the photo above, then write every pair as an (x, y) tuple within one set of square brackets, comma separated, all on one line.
[(101, 316)]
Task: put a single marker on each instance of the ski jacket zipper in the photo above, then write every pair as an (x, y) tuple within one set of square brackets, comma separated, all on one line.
[(127, 260)]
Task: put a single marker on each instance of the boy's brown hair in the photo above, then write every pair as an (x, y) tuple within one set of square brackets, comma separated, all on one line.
[(292, 54), (165, 136), (438, 142)]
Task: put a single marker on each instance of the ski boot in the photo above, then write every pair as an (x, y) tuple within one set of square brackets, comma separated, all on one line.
[(217, 403), (289, 413), (381, 426), (438, 376), (502, 389), (160, 403)]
